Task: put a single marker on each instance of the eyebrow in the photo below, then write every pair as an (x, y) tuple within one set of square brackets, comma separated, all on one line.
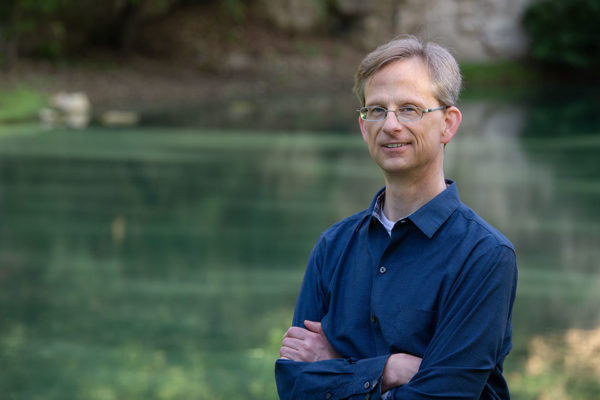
[(398, 104)]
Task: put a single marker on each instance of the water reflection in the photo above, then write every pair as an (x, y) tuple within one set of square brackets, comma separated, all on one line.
[(539, 191), (164, 263)]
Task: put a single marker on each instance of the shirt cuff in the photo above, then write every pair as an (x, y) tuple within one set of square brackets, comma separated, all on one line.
[(365, 379)]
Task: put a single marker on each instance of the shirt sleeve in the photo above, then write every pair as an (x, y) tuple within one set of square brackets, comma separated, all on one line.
[(328, 379), (473, 331)]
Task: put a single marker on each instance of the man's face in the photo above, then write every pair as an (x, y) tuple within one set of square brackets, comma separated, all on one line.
[(400, 148)]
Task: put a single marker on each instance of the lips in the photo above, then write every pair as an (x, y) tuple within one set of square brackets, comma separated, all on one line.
[(395, 145)]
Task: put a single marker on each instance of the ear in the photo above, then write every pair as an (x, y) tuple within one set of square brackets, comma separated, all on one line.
[(361, 123), (452, 119)]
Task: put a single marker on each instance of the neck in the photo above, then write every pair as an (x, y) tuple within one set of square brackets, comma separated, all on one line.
[(405, 195)]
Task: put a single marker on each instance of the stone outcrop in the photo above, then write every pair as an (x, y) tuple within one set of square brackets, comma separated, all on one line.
[(293, 15), (476, 30)]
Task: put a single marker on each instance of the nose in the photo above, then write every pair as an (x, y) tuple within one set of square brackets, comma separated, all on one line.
[(391, 123)]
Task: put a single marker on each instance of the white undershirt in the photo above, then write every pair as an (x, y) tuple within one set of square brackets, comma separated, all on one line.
[(378, 213), (387, 224)]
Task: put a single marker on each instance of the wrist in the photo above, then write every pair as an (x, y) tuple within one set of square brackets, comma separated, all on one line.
[(399, 370), (389, 379)]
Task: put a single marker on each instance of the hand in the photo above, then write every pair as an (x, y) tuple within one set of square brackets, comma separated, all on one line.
[(308, 344), (399, 370)]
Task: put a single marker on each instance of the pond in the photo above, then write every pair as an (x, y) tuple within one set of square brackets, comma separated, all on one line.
[(164, 263)]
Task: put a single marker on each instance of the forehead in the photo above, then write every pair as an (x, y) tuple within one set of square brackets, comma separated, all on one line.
[(401, 81)]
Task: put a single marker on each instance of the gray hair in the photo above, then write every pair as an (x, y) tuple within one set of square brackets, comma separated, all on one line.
[(444, 71)]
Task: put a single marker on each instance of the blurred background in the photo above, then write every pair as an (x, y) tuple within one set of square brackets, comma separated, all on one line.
[(167, 165)]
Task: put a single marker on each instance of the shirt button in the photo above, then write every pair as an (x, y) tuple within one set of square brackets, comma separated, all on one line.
[(367, 385), (382, 270), (328, 395), (402, 221), (373, 319)]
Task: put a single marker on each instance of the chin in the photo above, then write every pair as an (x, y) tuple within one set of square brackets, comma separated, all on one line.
[(394, 167)]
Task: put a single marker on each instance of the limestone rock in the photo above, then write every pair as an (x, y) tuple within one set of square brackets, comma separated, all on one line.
[(71, 103), (292, 15), (119, 118), (67, 109), (475, 30)]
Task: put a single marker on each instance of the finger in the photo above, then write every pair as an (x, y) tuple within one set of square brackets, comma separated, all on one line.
[(292, 343), (313, 326), (289, 354), (284, 353), (296, 332)]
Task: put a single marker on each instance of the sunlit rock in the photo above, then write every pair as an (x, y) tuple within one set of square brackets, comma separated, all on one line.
[(77, 121), (120, 118), (71, 103), (67, 109), (474, 30)]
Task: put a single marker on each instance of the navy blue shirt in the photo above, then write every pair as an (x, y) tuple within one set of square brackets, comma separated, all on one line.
[(441, 287)]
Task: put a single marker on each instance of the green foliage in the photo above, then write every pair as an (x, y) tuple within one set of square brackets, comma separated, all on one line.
[(20, 104), (57, 28), (565, 32), (560, 367), (563, 114), (9, 8), (503, 74), (234, 8), (25, 23), (22, 16)]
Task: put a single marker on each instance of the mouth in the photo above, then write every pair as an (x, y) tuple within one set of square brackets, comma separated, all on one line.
[(395, 145)]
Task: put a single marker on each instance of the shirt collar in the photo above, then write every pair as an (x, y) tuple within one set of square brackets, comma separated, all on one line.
[(432, 215), (376, 203)]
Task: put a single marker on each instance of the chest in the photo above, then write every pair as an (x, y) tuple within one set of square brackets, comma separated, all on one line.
[(385, 296)]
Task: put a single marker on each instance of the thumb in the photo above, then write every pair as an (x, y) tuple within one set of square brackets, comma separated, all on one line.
[(313, 326)]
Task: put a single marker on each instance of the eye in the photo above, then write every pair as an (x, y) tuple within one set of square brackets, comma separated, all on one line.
[(408, 112), (407, 109), (376, 112)]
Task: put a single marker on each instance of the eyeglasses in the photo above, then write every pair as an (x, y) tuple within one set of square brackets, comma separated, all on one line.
[(404, 114)]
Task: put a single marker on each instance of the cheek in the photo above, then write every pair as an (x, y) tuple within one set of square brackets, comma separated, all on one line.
[(363, 130), (369, 135), (427, 136)]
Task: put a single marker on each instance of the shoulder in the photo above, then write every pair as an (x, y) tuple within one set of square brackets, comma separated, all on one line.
[(332, 244), (480, 249), (487, 255), (334, 240), (479, 231), (342, 230)]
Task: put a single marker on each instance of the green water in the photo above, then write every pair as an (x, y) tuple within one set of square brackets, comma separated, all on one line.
[(164, 263)]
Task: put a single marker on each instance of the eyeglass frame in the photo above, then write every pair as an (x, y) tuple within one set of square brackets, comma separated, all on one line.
[(422, 110)]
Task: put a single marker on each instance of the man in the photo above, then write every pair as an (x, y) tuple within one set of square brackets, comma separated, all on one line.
[(411, 298)]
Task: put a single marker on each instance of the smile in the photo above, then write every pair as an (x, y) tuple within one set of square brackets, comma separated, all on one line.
[(395, 145)]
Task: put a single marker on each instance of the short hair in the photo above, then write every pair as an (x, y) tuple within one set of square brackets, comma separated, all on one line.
[(444, 71)]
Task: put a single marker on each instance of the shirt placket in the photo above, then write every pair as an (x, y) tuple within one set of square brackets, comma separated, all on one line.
[(385, 262)]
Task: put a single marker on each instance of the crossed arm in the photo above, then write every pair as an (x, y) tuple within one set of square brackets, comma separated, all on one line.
[(471, 339), (311, 344)]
